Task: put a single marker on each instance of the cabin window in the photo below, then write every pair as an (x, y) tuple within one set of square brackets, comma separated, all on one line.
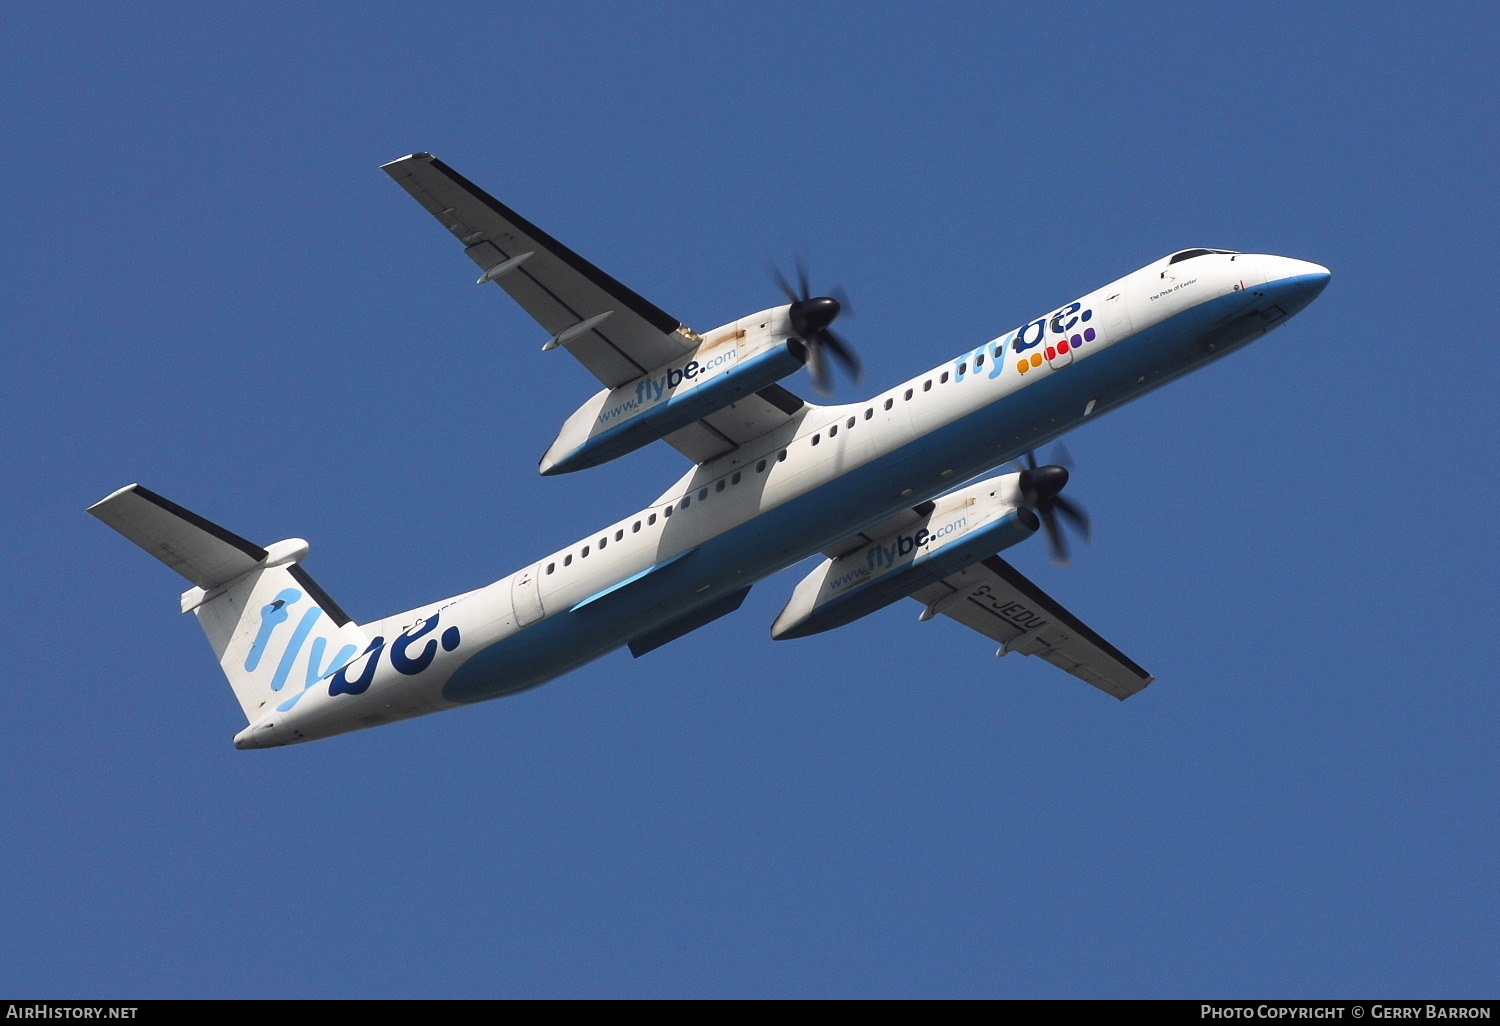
[(651, 519), (604, 541), (585, 553), (833, 431), (687, 500), (667, 511), (963, 367), (635, 527), (817, 439), (551, 567), (889, 403), (944, 379), (568, 559), (908, 395), (760, 467), (735, 479), (979, 361), (869, 413), (781, 456), (850, 423), (720, 486), (702, 494), (619, 534), (927, 385)]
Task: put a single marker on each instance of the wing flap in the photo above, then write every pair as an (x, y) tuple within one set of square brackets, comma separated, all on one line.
[(995, 599)]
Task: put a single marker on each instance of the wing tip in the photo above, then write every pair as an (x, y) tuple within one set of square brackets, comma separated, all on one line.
[(98, 508), (421, 156)]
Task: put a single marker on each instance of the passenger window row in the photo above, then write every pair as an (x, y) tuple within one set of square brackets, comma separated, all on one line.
[(760, 468), (650, 520)]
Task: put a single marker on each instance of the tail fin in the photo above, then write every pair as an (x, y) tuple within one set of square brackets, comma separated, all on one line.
[(276, 632)]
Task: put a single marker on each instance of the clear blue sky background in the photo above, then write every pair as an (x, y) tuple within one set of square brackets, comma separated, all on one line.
[(210, 288)]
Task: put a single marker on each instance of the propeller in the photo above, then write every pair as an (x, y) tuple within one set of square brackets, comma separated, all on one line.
[(1040, 491), (811, 316)]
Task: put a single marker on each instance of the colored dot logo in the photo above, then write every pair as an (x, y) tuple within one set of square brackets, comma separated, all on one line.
[(1059, 348)]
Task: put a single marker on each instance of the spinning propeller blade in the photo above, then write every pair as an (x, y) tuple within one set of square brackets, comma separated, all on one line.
[(811, 316), (1040, 491)]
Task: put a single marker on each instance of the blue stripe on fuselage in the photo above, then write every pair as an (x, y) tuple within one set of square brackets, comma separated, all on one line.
[(775, 539)]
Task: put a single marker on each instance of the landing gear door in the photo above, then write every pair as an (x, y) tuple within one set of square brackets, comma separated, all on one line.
[(526, 594)]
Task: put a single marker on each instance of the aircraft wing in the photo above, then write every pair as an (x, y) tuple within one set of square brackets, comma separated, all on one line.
[(993, 598), (615, 333)]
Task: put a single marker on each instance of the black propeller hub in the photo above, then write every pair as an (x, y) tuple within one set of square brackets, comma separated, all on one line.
[(1042, 484), (1041, 494), (811, 316)]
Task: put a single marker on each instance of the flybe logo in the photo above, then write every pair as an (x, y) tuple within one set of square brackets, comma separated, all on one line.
[(272, 616), (407, 653), (1063, 322), (401, 655), (1071, 322), (651, 390), (879, 557)]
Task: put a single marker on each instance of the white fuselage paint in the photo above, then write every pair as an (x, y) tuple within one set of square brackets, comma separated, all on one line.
[(752, 512)]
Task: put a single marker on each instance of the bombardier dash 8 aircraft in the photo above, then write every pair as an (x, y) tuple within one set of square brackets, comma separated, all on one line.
[(870, 484)]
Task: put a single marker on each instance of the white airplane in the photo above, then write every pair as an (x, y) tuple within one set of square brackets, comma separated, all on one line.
[(774, 480)]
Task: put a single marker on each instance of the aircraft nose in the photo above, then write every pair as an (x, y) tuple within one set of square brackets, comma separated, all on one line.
[(1296, 283)]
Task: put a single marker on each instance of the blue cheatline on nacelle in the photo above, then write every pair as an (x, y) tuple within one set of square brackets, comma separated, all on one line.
[(656, 404), (840, 591)]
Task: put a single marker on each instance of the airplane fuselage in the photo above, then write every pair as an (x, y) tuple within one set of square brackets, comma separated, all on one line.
[(830, 472)]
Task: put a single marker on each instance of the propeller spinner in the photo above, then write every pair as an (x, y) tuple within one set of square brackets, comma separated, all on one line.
[(811, 316), (1040, 491)]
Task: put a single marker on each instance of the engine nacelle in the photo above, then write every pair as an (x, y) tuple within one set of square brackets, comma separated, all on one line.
[(733, 363), (962, 528)]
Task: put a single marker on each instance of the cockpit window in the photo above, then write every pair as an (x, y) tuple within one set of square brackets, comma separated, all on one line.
[(1188, 254)]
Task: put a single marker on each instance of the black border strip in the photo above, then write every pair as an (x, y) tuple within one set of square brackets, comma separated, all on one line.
[(246, 546), (638, 304), (333, 609), (1013, 577)]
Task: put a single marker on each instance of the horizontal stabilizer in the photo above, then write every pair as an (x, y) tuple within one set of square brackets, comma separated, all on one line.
[(275, 633), (198, 549)]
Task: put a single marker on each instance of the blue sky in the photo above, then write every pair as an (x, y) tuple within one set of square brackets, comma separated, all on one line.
[(210, 288)]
